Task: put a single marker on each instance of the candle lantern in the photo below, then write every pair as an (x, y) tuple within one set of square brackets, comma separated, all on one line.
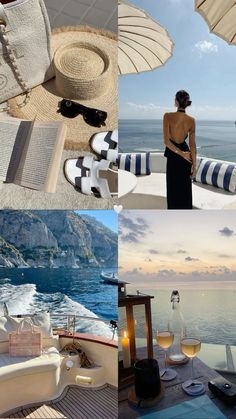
[(122, 289), (129, 302)]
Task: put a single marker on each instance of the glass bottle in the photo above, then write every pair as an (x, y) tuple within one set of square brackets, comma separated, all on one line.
[(177, 325)]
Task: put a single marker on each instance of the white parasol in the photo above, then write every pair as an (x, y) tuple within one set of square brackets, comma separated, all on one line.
[(143, 43), (220, 16)]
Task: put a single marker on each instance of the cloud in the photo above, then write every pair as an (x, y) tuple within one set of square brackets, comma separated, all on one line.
[(190, 259), (225, 256), (181, 251), (206, 47), (166, 272), (132, 230), (226, 232), (148, 107), (134, 271), (148, 260), (132, 110), (166, 276), (153, 251), (143, 110)]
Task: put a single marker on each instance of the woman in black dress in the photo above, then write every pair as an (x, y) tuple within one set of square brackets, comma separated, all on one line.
[(181, 157)]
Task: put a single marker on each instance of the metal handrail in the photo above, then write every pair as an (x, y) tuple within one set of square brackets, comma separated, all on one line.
[(65, 315), (71, 320)]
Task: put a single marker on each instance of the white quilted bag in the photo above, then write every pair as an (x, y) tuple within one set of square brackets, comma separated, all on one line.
[(25, 50)]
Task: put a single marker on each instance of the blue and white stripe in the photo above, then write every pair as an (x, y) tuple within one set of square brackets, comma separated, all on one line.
[(219, 174), (138, 164)]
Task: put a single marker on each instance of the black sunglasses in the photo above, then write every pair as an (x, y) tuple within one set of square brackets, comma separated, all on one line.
[(91, 116)]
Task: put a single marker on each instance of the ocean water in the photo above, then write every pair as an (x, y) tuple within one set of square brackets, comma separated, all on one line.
[(61, 291), (211, 311), (215, 139)]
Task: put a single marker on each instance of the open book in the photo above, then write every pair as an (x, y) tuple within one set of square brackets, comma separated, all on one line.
[(30, 153)]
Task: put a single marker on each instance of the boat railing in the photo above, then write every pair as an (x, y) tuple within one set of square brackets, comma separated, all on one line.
[(70, 322)]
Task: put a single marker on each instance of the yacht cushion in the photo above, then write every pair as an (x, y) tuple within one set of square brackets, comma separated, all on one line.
[(218, 174), (43, 321), (10, 324), (11, 367), (138, 164)]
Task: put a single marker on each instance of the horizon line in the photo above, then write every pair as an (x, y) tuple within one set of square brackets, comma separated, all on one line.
[(160, 119)]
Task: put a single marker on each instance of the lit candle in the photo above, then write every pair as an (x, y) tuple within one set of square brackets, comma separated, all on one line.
[(126, 351)]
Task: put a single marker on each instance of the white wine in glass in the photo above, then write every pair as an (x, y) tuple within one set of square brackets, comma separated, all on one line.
[(190, 346), (165, 339)]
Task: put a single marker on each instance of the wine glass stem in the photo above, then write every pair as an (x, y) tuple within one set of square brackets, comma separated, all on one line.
[(192, 373), (165, 359)]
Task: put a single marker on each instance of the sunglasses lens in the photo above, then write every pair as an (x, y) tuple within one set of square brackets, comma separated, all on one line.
[(95, 118), (68, 109)]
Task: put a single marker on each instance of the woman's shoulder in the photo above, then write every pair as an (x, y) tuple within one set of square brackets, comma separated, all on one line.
[(191, 119), (168, 114)]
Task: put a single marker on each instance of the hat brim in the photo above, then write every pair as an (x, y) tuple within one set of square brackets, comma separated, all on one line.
[(43, 104)]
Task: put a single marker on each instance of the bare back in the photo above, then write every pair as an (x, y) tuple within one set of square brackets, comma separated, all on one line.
[(180, 126)]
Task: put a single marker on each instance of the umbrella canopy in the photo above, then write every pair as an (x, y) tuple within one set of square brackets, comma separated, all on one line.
[(220, 16), (143, 44)]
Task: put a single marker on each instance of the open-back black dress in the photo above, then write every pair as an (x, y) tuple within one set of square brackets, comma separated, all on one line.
[(178, 178)]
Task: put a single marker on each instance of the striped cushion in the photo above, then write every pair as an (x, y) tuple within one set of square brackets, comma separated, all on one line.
[(138, 164), (221, 175)]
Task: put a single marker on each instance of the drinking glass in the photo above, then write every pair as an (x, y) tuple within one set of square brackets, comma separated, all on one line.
[(190, 346), (164, 338)]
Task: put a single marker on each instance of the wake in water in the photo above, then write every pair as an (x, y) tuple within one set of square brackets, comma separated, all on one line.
[(24, 299), (19, 299)]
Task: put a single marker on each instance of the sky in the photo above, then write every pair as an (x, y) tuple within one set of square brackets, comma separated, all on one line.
[(107, 217), (202, 63), (184, 246)]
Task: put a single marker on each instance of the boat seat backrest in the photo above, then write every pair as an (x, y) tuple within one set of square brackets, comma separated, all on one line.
[(157, 163)]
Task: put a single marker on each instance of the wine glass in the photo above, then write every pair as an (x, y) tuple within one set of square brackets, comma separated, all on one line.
[(190, 346), (164, 338)]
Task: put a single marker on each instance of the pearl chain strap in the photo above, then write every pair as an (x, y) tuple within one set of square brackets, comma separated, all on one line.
[(15, 68)]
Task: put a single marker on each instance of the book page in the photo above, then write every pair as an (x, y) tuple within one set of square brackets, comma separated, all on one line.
[(55, 163), (36, 162), (13, 135)]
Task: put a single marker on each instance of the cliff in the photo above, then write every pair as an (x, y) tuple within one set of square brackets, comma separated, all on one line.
[(55, 239)]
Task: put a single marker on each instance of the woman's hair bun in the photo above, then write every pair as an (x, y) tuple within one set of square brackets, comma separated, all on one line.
[(183, 99)]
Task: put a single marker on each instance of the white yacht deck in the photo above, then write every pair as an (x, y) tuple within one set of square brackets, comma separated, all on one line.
[(75, 403)]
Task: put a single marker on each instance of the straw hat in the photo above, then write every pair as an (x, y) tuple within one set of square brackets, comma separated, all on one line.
[(85, 64)]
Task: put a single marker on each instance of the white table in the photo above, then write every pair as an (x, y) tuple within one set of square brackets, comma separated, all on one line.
[(127, 182)]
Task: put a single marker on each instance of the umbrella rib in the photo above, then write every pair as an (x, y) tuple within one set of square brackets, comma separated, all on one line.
[(217, 23), (142, 26), (147, 37), (200, 5), (231, 41), (142, 54), (220, 19), (130, 60)]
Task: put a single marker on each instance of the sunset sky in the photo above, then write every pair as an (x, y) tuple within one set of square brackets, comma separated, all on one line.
[(183, 246)]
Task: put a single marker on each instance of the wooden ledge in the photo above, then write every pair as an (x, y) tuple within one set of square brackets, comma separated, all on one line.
[(90, 338)]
